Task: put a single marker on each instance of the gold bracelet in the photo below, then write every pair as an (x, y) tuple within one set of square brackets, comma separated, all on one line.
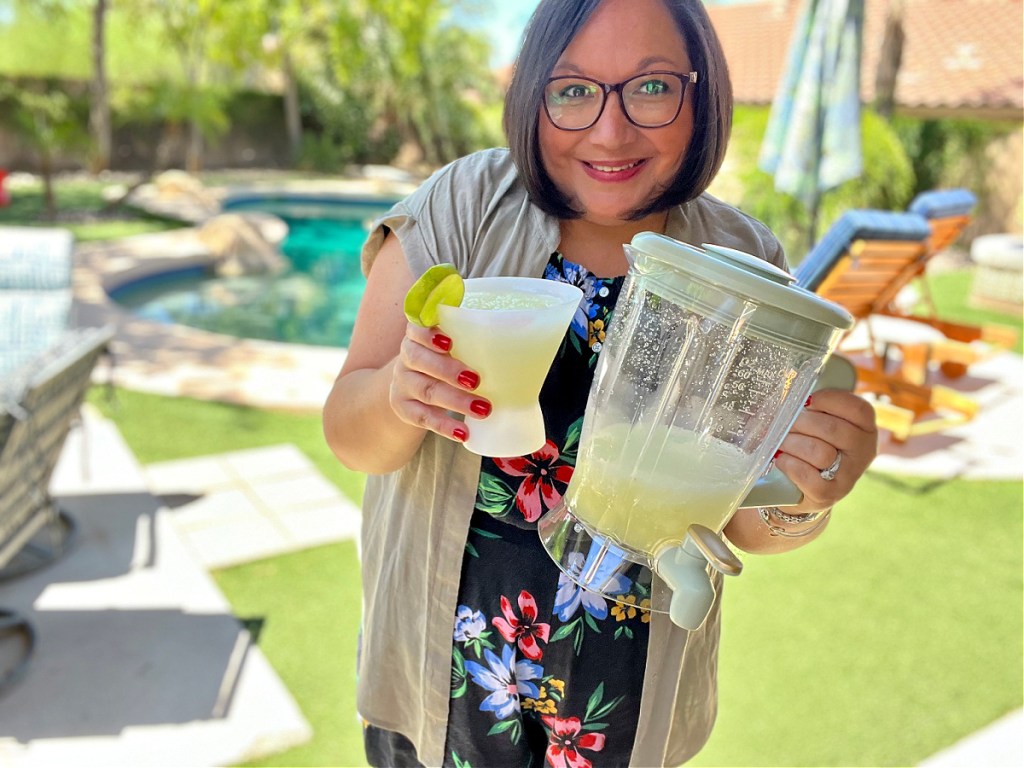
[(767, 513)]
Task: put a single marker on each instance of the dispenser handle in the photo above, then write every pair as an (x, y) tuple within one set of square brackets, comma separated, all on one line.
[(715, 550), (837, 373), (774, 489)]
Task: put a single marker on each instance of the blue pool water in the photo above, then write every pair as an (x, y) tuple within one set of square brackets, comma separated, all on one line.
[(314, 301)]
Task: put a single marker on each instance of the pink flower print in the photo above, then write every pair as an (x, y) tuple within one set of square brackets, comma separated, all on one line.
[(565, 741), (525, 630), (544, 480)]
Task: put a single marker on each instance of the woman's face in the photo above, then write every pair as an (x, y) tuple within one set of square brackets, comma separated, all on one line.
[(613, 168)]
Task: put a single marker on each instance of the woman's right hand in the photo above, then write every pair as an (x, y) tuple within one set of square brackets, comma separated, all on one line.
[(398, 381), (428, 384)]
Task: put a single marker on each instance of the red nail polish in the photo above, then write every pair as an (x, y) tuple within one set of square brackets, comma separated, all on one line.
[(808, 401), (442, 342), (480, 407), (777, 454), (469, 380), (460, 434)]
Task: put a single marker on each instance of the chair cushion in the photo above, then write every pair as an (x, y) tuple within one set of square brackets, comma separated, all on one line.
[(33, 258), (940, 203), (852, 226), (30, 322)]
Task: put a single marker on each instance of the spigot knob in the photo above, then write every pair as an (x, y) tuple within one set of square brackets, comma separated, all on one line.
[(684, 569)]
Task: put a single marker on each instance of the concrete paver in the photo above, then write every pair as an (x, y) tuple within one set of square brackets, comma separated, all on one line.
[(999, 745), (246, 505), (139, 660), (989, 447)]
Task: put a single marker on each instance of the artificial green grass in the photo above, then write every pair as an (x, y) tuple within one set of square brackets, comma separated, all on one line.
[(307, 607), (893, 636), (896, 634), (951, 292), (161, 428), (81, 209)]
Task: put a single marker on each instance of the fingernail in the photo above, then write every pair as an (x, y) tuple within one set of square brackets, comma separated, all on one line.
[(469, 380), (460, 434), (808, 402), (442, 342), (777, 454), (480, 407)]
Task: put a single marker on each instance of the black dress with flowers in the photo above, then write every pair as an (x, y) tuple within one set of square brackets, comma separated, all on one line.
[(541, 668)]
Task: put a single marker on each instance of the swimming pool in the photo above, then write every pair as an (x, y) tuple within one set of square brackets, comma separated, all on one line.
[(314, 301)]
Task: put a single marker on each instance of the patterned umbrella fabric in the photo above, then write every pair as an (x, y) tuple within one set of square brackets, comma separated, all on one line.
[(812, 142)]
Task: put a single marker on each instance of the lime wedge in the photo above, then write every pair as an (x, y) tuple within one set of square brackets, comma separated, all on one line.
[(441, 284)]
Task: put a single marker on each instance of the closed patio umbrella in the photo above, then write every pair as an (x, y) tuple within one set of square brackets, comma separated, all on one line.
[(812, 142)]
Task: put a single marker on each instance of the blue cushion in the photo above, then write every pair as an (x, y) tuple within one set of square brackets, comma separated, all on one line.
[(940, 203), (850, 227)]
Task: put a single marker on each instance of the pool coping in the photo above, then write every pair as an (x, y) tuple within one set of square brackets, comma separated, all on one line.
[(180, 361)]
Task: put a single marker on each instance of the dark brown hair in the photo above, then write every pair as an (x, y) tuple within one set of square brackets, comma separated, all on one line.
[(552, 27)]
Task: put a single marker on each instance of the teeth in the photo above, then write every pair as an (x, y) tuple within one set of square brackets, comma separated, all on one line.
[(614, 168)]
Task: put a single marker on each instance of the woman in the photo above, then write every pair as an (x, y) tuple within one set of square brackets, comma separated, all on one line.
[(474, 651)]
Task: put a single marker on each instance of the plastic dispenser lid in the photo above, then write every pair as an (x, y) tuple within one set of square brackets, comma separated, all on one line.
[(742, 274)]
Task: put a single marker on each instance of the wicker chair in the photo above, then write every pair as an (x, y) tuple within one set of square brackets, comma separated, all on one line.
[(39, 402)]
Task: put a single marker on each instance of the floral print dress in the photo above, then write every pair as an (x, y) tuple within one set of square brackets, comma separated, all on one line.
[(542, 671)]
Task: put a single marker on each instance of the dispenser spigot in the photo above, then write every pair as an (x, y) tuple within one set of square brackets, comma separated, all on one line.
[(684, 569)]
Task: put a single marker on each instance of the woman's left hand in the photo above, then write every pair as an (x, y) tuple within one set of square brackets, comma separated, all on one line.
[(831, 444)]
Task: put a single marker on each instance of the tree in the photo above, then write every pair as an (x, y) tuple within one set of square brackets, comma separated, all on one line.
[(99, 103), (48, 120), (294, 43), (209, 38), (890, 58), (417, 71)]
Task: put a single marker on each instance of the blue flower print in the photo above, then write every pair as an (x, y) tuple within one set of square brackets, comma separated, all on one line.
[(570, 595), (507, 679), (576, 275), (469, 624)]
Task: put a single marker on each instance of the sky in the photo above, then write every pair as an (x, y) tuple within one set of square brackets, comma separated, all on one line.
[(504, 22)]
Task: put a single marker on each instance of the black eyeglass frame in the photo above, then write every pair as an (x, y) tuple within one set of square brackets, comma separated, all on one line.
[(685, 77)]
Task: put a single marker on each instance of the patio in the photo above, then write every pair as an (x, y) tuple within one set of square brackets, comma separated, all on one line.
[(139, 660)]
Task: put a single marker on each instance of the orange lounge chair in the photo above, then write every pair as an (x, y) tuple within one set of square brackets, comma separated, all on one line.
[(862, 263)]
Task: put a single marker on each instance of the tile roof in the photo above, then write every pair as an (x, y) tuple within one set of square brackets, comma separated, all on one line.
[(958, 56)]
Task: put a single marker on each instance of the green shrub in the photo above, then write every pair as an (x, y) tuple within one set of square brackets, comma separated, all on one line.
[(950, 153), (887, 182), (338, 129)]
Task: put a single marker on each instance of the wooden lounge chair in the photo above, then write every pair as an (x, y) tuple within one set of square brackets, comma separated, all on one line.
[(862, 263), (38, 404)]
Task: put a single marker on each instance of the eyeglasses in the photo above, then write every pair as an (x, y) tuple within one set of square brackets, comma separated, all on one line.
[(650, 100)]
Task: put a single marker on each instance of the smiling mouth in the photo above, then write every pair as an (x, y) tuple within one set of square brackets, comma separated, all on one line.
[(618, 168)]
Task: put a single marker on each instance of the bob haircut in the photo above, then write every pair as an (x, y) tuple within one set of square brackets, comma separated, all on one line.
[(552, 27)]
